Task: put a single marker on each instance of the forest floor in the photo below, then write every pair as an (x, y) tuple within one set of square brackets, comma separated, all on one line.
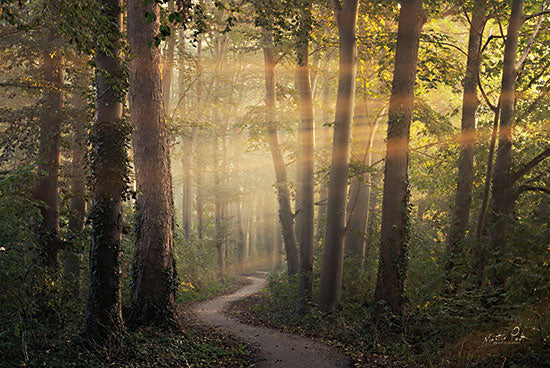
[(275, 348)]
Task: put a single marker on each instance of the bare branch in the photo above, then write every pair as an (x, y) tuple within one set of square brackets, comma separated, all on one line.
[(531, 188)]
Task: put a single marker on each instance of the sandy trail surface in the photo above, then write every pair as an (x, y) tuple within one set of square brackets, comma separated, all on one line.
[(276, 349)]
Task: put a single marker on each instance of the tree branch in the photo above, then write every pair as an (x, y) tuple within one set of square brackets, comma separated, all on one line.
[(523, 57), (525, 188), (337, 6), (530, 165)]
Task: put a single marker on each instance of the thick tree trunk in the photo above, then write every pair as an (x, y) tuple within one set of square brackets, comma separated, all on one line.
[(49, 154), (359, 193), (394, 232), (168, 68), (307, 184), (73, 256), (333, 252), (154, 273), (283, 194), (110, 136), (502, 203), (470, 103)]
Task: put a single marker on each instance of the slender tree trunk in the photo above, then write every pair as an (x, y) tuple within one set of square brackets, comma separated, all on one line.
[(73, 257), (269, 241), (278, 246), (168, 68), (333, 252), (220, 255), (359, 193), (49, 154), (241, 238), (187, 203), (470, 103), (187, 156), (307, 184), (323, 138), (198, 173), (252, 230), (110, 136), (283, 194), (502, 203), (394, 232), (154, 273)]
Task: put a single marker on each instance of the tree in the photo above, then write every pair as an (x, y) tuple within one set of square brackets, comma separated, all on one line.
[(283, 194), (110, 138), (306, 178), (153, 299), (360, 188), (470, 103), (394, 232), (333, 252), (504, 179), (49, 155), (77, 208)]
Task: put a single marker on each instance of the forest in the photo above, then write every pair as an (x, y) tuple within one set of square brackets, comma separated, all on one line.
[(274, 183)]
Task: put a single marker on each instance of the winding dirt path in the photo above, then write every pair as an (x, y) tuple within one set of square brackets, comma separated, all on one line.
[(276, 349)]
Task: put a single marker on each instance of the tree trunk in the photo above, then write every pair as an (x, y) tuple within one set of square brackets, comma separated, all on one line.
[(470, 103), (283, 194), (241, 239), (168, 68), (49, 154), (154, 273), (278, 246), (269, 241), (307, 184), (333, 252), (394, 231), (73, 257), (198, 173), (502, 203), (187, 203), (359, 193), (110, 136), (323, 138), (220, 255)]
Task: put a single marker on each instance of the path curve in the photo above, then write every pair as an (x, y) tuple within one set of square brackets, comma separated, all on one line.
[(276, 349)]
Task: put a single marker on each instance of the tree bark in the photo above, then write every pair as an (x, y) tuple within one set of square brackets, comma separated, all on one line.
[(323, 138), (307, 183), (470, 103), (283, 193), (502, 203), (359, 192), (154, 272), (333, 252), (394, 232), (198, 173), (110, 137), (77, 207), (269, 240), (218, 208), (49, 154), (168, 68)]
